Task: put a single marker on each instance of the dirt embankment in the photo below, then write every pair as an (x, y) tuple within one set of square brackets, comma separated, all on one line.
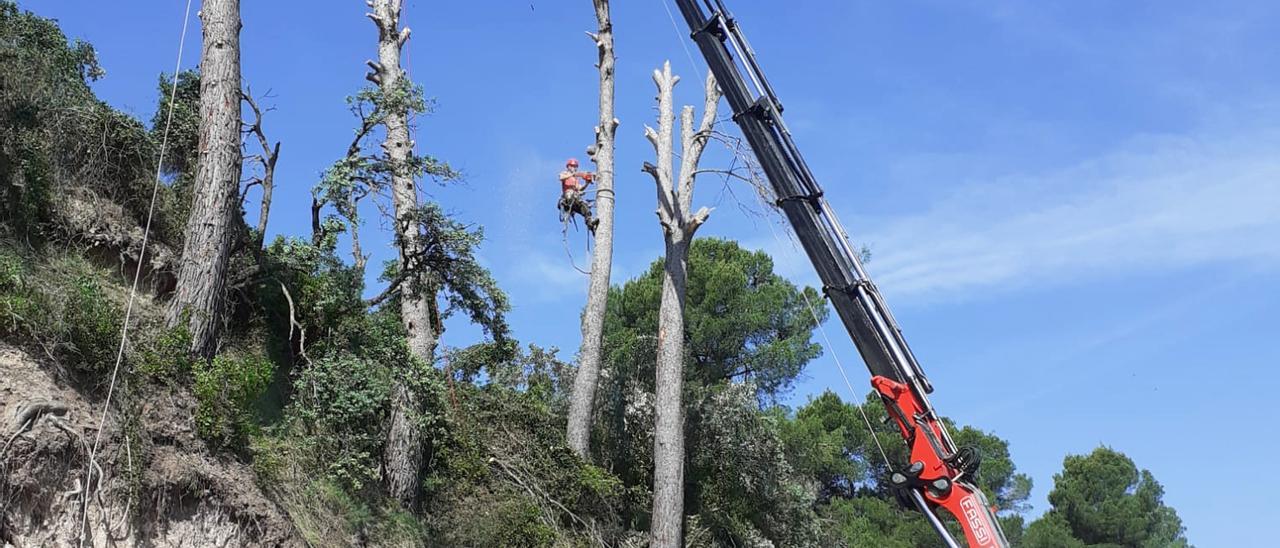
[(162, 487)]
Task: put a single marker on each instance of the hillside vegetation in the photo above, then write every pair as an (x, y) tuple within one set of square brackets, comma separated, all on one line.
[(279, 439)]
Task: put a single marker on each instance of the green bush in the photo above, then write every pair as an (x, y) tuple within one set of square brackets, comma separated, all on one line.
[(92, 326), (162, 353), (342, 401), (17, 303), (24, 184), (61, 306), (326, 514), (226, 390)]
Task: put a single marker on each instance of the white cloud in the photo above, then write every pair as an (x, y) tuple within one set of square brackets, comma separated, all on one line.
[(1159, 203), (539, 277)]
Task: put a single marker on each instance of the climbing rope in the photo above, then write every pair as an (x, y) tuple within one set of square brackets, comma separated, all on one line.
[(133, 290), (835, 356), (566, 217), (762, 194), (680, 37)]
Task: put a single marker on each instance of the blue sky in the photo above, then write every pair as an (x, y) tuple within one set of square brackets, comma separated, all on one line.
[(1073, 207)]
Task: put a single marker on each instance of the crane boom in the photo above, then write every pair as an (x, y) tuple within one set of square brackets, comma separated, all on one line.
[(939, 474)]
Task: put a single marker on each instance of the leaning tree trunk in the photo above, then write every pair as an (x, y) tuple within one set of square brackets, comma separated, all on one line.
[(588, 376), (215, 200), (403, 452), (675, 199)]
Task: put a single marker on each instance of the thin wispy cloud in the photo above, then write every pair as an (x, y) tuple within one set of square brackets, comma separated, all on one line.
[(536, 276), (1164, 202), (1157, 203)]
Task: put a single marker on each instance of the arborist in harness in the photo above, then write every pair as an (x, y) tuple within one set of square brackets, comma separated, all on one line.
[(572, 185)]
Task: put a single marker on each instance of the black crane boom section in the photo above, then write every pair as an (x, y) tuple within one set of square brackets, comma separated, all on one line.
[(759, 113), (938, 475)]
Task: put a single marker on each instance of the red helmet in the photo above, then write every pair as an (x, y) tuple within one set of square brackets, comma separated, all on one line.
[(573, 162)]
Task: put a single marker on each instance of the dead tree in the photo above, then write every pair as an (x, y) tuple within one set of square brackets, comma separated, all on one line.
[(675, 201), (601, 152), (266, 161), (403, 452), (215, 198)]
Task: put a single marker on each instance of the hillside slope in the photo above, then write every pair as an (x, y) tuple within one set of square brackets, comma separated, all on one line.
[(165, 489)]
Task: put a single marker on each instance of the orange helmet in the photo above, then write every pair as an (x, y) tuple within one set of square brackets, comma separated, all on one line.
[(573, 162)]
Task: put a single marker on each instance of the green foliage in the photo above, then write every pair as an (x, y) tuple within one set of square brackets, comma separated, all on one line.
[(504, 475), (366, 169), (372, 105), (743, 323), (998, 475), (326, 514), (1103, 499), (183, 150), (538, 372), (162, 353), (12, 270), (59, 305), (827, 441), (509, 521), (1051, 531), (92, 326), (57, 138), (743, 486), (184, 129), (741, 319), (342, 402), (226, 389), (43, 76), (872, 521), (18, 304), (449, 269)]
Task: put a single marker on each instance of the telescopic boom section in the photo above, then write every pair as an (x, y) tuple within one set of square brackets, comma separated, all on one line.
[(939, 474)]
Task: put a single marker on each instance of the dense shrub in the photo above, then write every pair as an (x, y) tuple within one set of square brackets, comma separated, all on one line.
[(162, 353), (91, 326), (59, 305), (226, 389)]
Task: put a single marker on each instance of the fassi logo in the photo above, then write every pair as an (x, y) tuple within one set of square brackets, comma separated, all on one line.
[(973, 513)]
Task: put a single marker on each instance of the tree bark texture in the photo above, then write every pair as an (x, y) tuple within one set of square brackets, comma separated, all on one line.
[(215, 199), (402, 460), (582, 402), (675, 199)]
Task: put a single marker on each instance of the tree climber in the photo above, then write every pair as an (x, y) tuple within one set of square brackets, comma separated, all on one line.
[(572, 185)]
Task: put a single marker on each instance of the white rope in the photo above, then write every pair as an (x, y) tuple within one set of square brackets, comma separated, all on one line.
[(680, 38), (835, 356), (133, 290), (564, 239)]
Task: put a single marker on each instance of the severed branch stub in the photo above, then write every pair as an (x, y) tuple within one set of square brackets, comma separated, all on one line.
[(675, 191)]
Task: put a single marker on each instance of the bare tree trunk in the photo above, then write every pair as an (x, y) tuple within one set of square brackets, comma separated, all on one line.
[(584, 383), (216, 194), (675, 199), (270, 154), (403, 453)]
